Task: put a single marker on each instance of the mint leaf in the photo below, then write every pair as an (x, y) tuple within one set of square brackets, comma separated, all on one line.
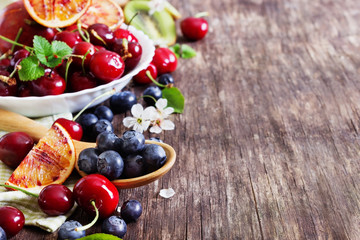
[(30, 69), (53, 61), (60, 49), (42, 49), (175, 99), (183, 51), (100, 236)]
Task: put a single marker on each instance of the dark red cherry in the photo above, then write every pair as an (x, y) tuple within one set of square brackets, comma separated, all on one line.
[(7, 89), (73, 128), (107, 66), (24, 89), (142, 78), (164, 60), (102, 31), (4, 64), (14, 147), (19, 55), (55, 200), (135, 49), (49, 84), (12, 220), (70, 38), (124, 33), (194, 28), (80, 81), (46, 32), (81, 49)]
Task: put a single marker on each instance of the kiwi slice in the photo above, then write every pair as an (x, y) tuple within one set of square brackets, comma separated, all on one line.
[(160, 26)]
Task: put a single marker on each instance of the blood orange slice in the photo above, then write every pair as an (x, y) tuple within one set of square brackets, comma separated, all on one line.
[(51, 161), (103, 11), (56, 13)]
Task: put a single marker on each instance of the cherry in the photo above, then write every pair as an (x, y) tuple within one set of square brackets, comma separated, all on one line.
[(55, 200), (12, 220), (4, 63), (14, 147), (73, 128), (164, 60), (124, 33), (142, 78), (81, 49), (80, 81), (70, 38), (135, 49), (107, 66), (24, 89), (194, 28), (100, 34), (49, 84), (97, 188), (19, 55), (48, 33), (5, 88)]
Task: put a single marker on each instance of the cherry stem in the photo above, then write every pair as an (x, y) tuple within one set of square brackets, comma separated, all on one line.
[(132, 18), (98, 37), (201, 14), (87, 226), (17, 68), (111, 92), (69, 61), (83, 61), (30, 49), (148, 96), (20, 189), (82, 31), (17, 38), (153, 80)]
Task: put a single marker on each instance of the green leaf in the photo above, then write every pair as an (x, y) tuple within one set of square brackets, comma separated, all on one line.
[(60, 49), (175, 99), (42, 49), (183, 51), (30, 69), (53, 61), (100, 236)]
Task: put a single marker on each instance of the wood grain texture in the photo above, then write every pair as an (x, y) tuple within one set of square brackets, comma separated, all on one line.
[(268, 145)]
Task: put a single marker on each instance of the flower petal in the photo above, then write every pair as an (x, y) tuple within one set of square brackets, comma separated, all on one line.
[(138, 128), (155, 129), (168, 111), (161, 103), (167, 125), (145, 124), (137, 110), (129, 122), (149, 113)]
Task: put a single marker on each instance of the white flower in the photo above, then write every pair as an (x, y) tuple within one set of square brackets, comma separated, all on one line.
[(161, 122), (141, 119), (156, 6)]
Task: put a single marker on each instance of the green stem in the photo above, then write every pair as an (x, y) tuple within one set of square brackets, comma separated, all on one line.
[(17, 44), (153, 80), (98, 37), (132, 18), (87, 226), (16, 38), (67, 68), (148, 96), (82, 31), (83, 61), (20, 189), (111, 92), (201, 14)]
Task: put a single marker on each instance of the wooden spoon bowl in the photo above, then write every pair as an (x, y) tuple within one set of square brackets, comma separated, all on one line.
[(13, 122)]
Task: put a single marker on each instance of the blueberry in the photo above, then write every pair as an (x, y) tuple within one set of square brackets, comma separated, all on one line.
[(2, 234), (122, 101), (133, 166), (166, 79), (87, 121), (154, 155), (153, 91), (87, 161), (114, 225), (67, 230), (131, 210), (102, 125), (156, 139), (108, 141), (110, 164), (103, 112), (132, 142)]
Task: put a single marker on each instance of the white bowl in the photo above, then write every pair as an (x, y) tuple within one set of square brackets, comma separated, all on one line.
[(73, 102)]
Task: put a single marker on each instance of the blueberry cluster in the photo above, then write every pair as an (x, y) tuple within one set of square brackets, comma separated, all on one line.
[(121, 157)]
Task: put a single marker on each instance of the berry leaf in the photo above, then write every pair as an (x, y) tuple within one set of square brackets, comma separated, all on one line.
[(175, 99), (30, 69), (183, 51), (60, 49), (100, 236), (42, 49)]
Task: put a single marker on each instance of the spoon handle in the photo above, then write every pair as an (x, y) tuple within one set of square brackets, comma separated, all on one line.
[(13, 122)]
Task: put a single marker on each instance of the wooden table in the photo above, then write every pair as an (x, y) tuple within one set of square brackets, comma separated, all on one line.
[(268, 145)]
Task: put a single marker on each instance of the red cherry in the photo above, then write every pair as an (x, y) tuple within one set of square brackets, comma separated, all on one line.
[(14, 147), (107, 66), (49, 84), (96, 187), (81, 49), (4, 64), (124, 33), (135, 50), (12, 220), (55, 200), (70, 38), (194, 28), (6, 89), (24, 89), (73, 128), (164, 60), (80, 81), (142, 78), (103, 32)]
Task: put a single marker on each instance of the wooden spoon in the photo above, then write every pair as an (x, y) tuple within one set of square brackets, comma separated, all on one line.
[(13, 122)]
